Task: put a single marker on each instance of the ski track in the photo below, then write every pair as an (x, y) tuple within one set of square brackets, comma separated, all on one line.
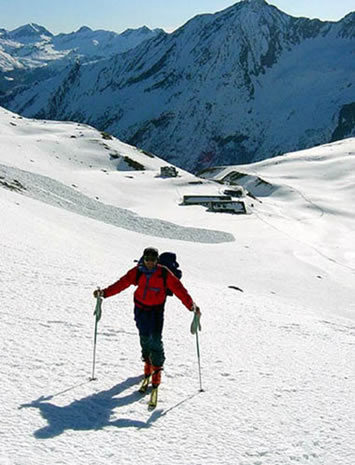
[(57, 194), (266, 413)]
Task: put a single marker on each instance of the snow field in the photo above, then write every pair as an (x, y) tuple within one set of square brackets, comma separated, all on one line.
[(277, 355)]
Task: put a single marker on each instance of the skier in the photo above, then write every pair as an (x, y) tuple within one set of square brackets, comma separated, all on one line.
[(149, 300)]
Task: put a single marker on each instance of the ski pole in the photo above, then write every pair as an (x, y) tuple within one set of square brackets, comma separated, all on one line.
[(195, 328), (199, 362), (97, 313)]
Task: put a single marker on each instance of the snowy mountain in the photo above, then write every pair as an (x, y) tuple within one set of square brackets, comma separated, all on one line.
[(277, 303), (244, 84), (102, 44), (31, 53), (28, 33)]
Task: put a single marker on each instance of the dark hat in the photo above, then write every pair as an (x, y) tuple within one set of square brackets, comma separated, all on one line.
[(151, 252)]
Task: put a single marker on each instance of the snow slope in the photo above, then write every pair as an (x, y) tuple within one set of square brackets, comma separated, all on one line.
[(319, 182), (277, 357)]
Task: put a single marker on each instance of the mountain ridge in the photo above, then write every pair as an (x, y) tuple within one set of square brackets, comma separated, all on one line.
[(247, 83), (31, 52)]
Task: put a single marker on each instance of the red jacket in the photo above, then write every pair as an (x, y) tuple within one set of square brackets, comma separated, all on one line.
[(152, 292)]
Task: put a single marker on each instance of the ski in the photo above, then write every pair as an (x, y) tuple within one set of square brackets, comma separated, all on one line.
[(153, 399), (144, 385)]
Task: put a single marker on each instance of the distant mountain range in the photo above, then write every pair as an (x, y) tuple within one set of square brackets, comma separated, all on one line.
[(241, 85), (31, 53)]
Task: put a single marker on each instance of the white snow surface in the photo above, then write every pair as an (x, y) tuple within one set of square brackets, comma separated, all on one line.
[(277, 355), (31, 46)]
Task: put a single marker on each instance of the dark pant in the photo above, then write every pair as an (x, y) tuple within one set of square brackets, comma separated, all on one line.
[(150, 326)]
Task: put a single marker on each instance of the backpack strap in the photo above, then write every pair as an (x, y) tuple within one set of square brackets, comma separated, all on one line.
[(164, 273), (138, 275)]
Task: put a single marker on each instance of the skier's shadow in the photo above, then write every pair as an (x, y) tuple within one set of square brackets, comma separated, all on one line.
[(90, 413)]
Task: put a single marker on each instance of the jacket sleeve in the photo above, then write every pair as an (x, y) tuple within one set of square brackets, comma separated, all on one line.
[(176, 286), (127, 280)]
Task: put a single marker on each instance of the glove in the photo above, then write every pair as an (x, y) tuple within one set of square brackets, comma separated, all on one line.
[(98, 293), (98, 308), (196, 309), (195, 325)]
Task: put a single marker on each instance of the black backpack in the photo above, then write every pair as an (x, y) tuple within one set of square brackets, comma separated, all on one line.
[(167, 259)]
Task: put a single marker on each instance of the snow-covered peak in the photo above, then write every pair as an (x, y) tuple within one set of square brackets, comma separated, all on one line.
[(84, 29), (88, 43), (29, 33), (144, 30), (256, 5), (347, 26)]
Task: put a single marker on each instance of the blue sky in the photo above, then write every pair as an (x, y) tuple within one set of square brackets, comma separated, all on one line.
[(118, 15)]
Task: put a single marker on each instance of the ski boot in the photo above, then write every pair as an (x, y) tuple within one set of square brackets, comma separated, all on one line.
[(156, 379), (146, 380)]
